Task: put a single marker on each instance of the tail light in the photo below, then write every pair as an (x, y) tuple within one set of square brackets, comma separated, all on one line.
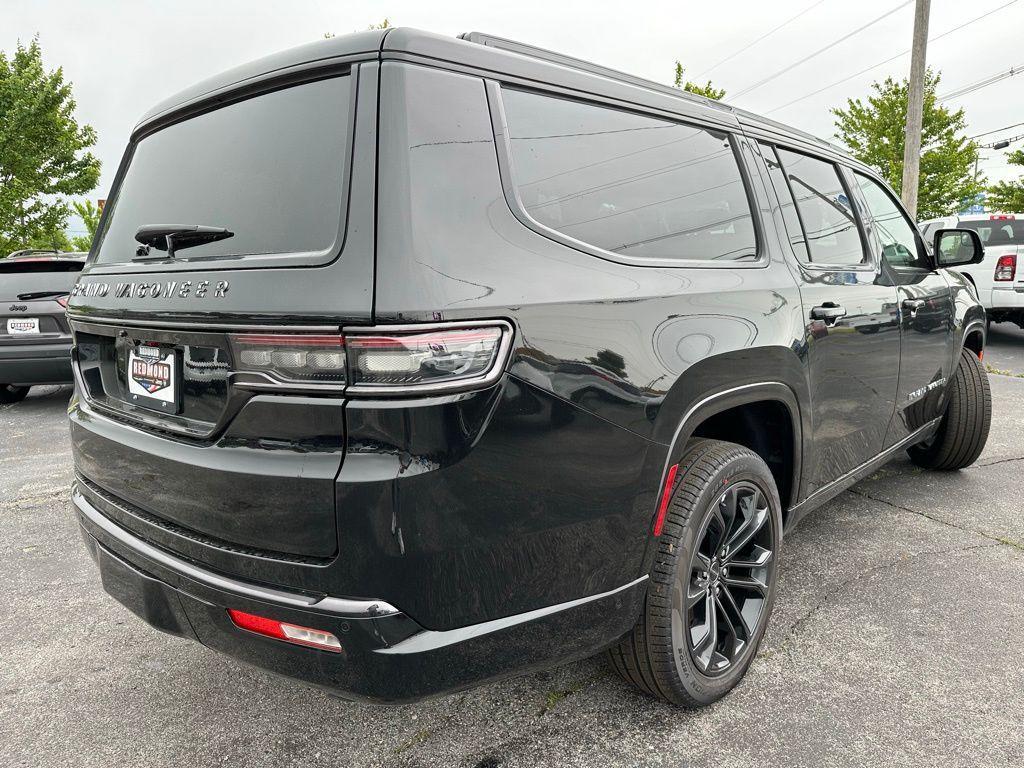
[(1006, 267), (291, 358), (289, 633), (378, 361), (63, 301)]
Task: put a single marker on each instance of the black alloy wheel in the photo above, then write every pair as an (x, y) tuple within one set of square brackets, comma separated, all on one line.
[(727, 581), (713, 580)]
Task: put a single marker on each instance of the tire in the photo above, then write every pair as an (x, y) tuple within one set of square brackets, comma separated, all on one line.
[(964, 429), (660, 656), (12, 394)]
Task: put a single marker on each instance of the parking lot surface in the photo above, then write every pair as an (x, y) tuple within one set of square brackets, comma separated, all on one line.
[(896, 640)]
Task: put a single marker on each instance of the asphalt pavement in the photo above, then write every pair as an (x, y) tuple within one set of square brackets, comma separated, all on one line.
[(896, 640)]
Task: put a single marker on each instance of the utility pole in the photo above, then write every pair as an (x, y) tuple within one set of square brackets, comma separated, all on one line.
[(915, 107)]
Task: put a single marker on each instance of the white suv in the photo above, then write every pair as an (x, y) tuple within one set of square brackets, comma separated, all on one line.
[(999, 278)]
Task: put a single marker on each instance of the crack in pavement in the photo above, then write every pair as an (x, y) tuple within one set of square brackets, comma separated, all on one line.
[(976, 531), (23, 502), (997, 461), (797, 626)]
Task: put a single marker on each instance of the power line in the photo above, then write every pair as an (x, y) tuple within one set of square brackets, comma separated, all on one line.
[(820, 51), (1008, 141), (996, 130), (983, 83), (864, 71), (769, 33)]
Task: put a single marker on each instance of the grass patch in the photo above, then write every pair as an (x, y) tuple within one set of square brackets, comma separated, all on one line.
[(418, 738), (999, 372)]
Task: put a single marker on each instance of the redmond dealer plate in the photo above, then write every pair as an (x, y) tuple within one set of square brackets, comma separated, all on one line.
[(153, 377)]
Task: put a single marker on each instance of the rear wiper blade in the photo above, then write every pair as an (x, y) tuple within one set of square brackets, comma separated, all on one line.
[(174, 237), (40, 295)]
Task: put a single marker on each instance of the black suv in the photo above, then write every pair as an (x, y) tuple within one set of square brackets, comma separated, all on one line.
[(406, 362), (35, 341)]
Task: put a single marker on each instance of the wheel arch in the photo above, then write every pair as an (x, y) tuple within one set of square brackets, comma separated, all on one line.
[(974, 337), (746, 402)]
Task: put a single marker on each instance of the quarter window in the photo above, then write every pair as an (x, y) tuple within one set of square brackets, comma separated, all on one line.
[(633, 185), (896, 233), (825, 210), (786, 201)]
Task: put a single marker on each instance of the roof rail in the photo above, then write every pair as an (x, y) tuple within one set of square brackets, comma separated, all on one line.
[(543, 54)]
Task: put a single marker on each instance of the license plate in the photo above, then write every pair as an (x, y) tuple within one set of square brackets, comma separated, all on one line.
[(16, 326), (153, 377)]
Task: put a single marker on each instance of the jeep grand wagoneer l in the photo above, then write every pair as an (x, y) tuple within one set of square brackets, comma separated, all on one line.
[(406, 362)]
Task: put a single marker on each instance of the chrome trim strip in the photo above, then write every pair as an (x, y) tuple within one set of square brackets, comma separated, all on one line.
[(431, 640), (275, 385), (356, 609), (198, 325), (878, 459)]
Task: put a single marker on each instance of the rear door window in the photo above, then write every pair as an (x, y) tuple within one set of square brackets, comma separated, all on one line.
[(270, 169), (634, 185), (830, 226)]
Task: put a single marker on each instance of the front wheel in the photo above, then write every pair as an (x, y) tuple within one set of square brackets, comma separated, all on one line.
[(12, 394), (962, 435), (712, 586)]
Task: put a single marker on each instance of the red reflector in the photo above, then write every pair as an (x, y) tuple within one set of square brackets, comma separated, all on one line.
[(289, 633), (666, 497), (63, 301)]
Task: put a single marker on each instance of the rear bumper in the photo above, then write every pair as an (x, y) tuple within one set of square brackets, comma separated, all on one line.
[(35, 364), (387, 657), (1008, 298)]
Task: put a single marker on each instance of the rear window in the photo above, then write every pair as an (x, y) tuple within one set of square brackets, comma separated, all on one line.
[(26, 266), (270, 169), (629, 184), (997, 231)]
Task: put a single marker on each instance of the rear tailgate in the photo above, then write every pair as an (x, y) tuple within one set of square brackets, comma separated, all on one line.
[(217, 462), (33, 294)]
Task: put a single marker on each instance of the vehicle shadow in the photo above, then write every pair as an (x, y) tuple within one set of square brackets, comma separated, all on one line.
[(43, 399)]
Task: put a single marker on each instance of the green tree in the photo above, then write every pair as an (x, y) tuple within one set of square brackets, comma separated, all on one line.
[(90, 216), (707, 90), (383, 25), (42, 155), (874, 133), (1008, 195)]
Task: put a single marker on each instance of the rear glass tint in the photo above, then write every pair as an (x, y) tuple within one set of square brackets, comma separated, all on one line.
[(629, 184), (997, 231), (270, 169), (23, 266)]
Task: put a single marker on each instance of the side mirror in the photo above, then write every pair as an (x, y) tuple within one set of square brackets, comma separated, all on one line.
[(957, 248)]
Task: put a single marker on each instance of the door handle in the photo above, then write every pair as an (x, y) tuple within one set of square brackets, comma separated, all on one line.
[(912, 305), (828, 312)]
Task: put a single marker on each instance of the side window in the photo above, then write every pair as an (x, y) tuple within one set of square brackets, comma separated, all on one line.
[(790, 216), (824, 205), (629, 184), (895, 231)]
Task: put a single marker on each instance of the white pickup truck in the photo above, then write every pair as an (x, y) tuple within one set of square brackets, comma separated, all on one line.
[(999, 278)]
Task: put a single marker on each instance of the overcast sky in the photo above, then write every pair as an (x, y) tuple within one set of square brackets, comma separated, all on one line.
[(125, 55)]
